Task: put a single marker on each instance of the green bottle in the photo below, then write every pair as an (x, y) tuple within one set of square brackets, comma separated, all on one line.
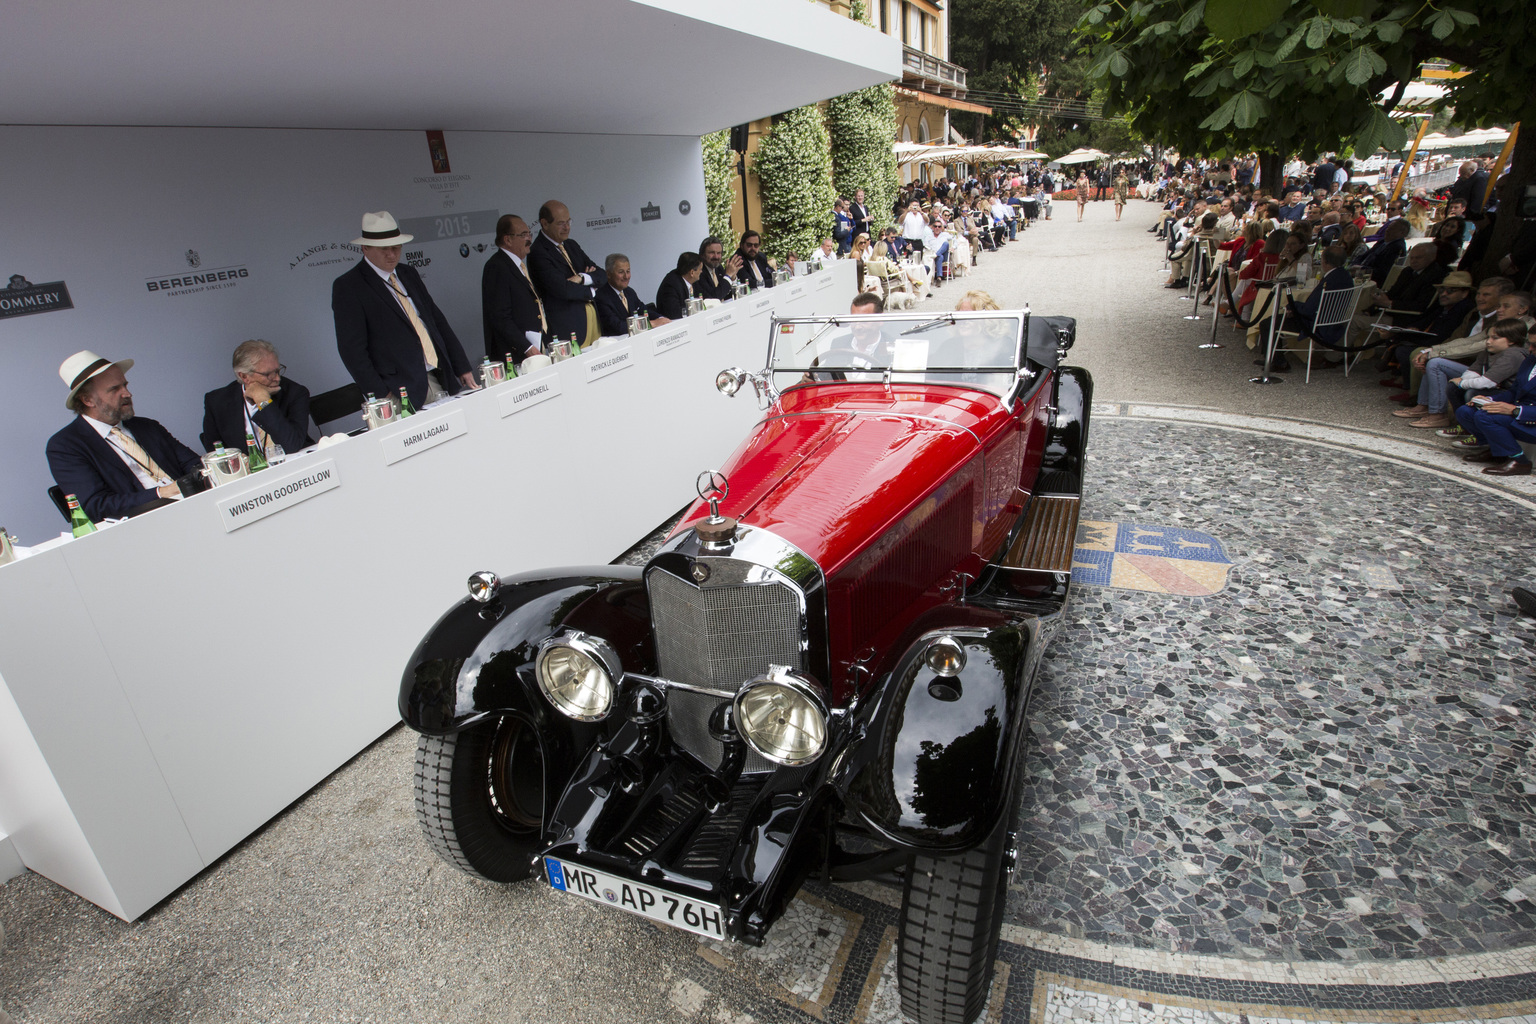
[(511, 368), (255, 459), (405, 405), (575, 345), (79, 523)]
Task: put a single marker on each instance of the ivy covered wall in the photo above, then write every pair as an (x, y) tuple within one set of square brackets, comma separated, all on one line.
[(793, 166)]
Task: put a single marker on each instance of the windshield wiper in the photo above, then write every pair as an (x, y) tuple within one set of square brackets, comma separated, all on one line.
[(831, 323), (947, 318)]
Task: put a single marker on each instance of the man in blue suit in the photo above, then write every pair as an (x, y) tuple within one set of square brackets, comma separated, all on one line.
[(1501, 420), (117, 464)]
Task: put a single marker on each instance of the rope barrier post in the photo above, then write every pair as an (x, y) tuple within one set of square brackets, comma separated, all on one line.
[(1276, 296), (1197, 280), (1216, 312), (1191, 278)]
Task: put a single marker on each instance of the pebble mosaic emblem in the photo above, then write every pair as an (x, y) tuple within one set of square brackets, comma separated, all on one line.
[(1157, 559)]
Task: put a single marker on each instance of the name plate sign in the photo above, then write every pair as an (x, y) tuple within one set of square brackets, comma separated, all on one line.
[(757, 307), (417, 436), (666, 341), (609, 359), (279, 492), (796, 292), (824, 280), (527, 392), (721, 319)]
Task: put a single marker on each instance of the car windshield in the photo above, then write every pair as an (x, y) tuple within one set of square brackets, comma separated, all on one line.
[(979, 350)]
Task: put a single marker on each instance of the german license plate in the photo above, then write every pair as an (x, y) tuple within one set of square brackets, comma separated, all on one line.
[(657, 904)]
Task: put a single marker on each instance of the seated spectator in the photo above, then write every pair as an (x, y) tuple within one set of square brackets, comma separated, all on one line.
[(115, 463), (1445, 379), (1506, 418), (677, 287), (1294, 208), (1383, 256), (756, 270), (1260, 268), (1302, 319), (1352, 243), (1453, 301), (1184, 256), (715, 278), (616, 301), (827, 250), (1414, 290), (1470, 339), (889, 247), (1448, 241), (936, 240), (258, 402)]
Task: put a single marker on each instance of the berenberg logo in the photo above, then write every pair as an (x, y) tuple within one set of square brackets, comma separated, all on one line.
[(22, 298), (193, 259)]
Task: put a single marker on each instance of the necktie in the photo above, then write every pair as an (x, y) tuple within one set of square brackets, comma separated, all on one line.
[(263, 439), (137, 453), (543, 324), (624, 299), (428, 351), (561, 247)]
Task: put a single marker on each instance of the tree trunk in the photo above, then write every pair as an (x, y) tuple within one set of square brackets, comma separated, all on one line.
[(1522, 173), (1270, 166)]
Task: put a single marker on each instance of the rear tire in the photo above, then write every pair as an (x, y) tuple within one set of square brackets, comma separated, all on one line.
[(480, 797), (951, 915)]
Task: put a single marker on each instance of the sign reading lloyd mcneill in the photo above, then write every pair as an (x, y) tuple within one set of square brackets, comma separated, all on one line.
[(23, 298), (277, 493)]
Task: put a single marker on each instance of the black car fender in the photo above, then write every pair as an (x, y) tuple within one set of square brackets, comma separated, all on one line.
[(934, 757), (1067, 436), (478, 659)]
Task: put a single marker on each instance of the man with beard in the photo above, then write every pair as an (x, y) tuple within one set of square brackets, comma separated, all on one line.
[(715, 280)]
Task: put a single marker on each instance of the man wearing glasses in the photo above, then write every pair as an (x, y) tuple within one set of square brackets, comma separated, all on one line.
[(259, 401), (511, 309)]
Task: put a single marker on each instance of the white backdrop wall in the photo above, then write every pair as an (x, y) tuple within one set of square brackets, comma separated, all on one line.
[(115, 212)]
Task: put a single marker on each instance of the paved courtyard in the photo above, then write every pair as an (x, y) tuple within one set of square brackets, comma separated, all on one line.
[(1281, 763)]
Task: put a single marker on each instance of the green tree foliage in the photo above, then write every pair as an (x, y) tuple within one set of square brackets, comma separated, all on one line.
[(793, 165), (719, 169), (1216, 77), (862, 126), (1004, 45)]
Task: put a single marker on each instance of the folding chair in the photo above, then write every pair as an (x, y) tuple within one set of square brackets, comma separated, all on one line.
[(1336, 308)]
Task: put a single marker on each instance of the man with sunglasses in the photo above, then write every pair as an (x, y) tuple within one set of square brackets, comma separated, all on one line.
[(274, 410)]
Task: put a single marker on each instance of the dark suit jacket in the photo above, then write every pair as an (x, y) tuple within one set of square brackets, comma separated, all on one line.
[(85, 465), (765, 272), (860, 214), (1381, 257), (1414, 290), (715, 285), (565, 301), (508, 308), (611, 315), (376, 341), (672, 297), (286, 419), (1521, 391)]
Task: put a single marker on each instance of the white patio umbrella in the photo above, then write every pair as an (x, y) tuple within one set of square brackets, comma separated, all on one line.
[(1082, 156)]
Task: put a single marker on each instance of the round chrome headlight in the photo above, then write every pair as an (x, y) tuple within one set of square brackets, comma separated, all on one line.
[(728, 382), (782, 716), (578, 674)]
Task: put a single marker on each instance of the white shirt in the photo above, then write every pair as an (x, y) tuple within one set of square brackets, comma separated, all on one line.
[(139, 472), (586, 279), (912, 226), (535, 339)]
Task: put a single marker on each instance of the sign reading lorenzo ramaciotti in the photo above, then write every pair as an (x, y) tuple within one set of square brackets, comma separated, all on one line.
[(23, 298)]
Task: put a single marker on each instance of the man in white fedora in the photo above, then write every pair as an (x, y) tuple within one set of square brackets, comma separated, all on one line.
[(116, 463), (389, 332)]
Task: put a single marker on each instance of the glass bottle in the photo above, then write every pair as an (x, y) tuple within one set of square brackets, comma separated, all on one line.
[(511, 368), (79, 523), (255, 460), (575, 345), (406, 409)]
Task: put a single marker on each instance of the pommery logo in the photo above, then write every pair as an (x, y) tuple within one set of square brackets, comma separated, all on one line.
[(650, 211), (22, 298)]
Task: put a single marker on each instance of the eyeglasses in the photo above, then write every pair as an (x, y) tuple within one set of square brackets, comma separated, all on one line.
[(281, 369)]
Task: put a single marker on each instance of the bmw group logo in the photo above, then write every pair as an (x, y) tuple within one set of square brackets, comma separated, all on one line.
[(464, 249)]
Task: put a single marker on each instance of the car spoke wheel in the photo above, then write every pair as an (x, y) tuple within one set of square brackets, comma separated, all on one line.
[(480, 797), (951, 915)]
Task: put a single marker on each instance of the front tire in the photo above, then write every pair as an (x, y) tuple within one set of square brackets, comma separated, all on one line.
[(480, 797), (951, 916)]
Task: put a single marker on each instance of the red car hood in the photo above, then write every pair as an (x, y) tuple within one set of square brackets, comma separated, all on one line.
[(832, 467)]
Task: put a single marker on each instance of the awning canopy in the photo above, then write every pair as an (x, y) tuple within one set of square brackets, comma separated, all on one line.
[(1082, 156), (919, 153)]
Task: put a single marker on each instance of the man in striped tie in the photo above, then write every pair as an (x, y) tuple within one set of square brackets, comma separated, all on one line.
[(389, 332), (117, 464)]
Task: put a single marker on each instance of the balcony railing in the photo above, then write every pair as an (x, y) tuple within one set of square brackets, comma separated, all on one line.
[(931, 73)]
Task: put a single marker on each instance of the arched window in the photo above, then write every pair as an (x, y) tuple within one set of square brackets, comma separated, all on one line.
[(922, 129)]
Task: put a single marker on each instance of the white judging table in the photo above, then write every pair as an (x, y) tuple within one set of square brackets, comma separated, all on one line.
[(169, 685)]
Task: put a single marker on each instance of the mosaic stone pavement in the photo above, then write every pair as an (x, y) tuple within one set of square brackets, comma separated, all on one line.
[(1329, 759)]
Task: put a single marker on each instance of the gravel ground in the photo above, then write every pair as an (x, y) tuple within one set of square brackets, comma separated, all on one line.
[(338, 911)]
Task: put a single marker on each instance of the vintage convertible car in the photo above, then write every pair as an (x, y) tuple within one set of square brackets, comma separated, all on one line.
[(823, 673)]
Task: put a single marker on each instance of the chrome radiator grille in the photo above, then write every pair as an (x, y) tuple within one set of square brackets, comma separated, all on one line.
[(719, 636)]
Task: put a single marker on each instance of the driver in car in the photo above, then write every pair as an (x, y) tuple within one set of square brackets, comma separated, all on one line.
[(863, 344)]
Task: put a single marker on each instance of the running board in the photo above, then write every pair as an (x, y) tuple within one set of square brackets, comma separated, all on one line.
[(1049, 535)]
